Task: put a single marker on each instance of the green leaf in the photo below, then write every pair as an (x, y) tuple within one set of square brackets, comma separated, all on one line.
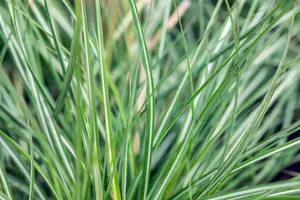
[(150, 103)]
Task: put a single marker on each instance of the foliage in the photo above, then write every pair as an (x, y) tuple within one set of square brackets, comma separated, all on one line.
[(149, 99)]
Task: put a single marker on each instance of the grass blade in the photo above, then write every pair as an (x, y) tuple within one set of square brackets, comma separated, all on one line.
[(109, 137), (72, 63), (150, 102)]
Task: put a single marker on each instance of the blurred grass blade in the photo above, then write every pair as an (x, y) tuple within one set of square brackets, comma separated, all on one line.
[(55, 39), (4, 196), (32, 176), (5, 186), (258, 189)]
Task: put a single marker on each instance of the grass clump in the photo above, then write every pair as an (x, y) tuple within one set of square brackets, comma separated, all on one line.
[(149, 99)]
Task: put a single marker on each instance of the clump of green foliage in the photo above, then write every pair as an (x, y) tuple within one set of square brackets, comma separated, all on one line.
[(172, 99)]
